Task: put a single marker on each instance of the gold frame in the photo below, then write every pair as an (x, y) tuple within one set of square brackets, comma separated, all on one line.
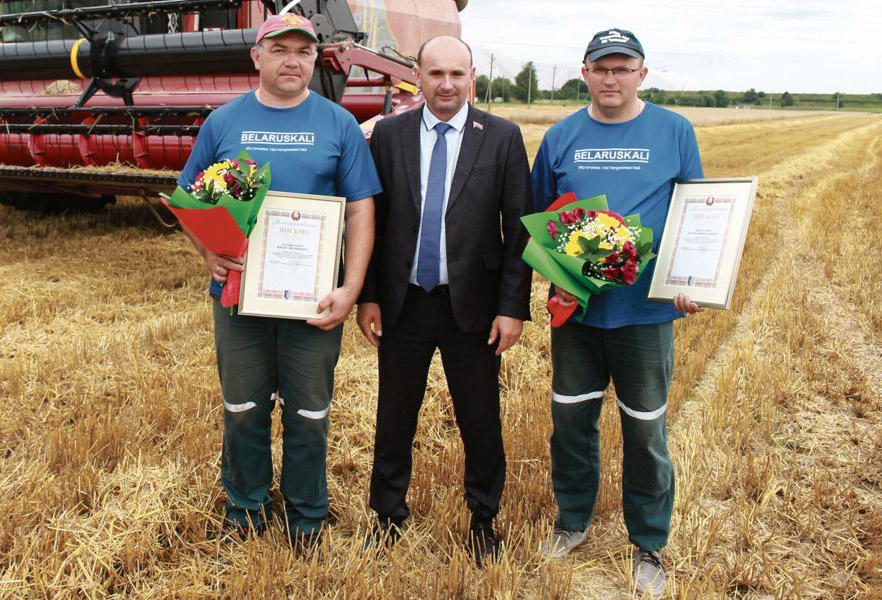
[(716, 291), (257, 301)]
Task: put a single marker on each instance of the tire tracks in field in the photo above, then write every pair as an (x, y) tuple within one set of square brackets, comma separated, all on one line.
[(852, 330), (604, 575), (759, 147), (844, 329), (782, 176)]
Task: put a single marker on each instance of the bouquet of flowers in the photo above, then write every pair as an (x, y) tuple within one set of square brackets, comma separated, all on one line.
[(240, 179), (221, 208), (584, 248)]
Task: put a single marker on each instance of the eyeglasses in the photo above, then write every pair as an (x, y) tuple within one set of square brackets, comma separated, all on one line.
[(617, 72), (301, 54)]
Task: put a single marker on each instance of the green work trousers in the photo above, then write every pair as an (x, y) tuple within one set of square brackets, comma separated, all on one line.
[(261, 360), (639, 359)]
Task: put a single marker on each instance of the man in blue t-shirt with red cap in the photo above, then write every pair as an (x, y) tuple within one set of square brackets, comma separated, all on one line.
[(314, 146), (621, 336)]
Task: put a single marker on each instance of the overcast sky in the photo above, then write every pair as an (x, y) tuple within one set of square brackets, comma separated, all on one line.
[(793, 45)]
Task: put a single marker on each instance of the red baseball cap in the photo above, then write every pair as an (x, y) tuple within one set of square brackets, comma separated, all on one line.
[(279, 24)]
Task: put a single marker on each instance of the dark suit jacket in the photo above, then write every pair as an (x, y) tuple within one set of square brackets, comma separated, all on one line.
[(489, 194)]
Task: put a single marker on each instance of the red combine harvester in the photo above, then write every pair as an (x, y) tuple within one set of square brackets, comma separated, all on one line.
[(95, 97)]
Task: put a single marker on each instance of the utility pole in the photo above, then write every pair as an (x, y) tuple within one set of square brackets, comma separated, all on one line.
[(530, 84), (837, 100), (490, 83), (553, 75)]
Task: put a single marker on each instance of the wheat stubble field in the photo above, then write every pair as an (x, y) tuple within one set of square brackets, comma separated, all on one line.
[(110, 416)]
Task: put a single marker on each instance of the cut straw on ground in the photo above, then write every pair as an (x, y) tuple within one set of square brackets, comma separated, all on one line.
[(110, 429)]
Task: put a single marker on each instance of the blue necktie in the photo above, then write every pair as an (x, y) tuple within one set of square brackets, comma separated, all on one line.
[(429, 259)]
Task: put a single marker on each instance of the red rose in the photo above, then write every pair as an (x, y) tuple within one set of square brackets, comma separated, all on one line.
[(612, 257), (579, 212), (568, 217), (592, 214), (629, 248), (552, 229), (611, 274)]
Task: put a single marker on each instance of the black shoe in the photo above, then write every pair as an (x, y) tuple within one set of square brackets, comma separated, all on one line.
[(385, 534), (237, 533), (484, 545), (305, 544)]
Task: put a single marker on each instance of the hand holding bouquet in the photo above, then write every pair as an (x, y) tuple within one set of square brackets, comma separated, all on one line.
[(584, 248), (221, 209)]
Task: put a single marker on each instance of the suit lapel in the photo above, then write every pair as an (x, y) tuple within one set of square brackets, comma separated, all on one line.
[(472, 138), (410, 144)]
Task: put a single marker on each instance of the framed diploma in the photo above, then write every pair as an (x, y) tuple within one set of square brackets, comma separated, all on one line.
[(703, 239), (293, 256)]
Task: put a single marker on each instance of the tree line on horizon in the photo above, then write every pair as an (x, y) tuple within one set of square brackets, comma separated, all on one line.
[(525, 89)]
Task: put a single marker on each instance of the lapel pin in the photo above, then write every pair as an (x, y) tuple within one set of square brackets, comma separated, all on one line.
[(478, 126)]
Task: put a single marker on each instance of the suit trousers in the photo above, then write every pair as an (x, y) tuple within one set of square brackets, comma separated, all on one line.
[(472, 371)]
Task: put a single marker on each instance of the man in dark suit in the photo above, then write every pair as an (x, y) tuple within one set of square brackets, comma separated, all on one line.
[(446, 273)]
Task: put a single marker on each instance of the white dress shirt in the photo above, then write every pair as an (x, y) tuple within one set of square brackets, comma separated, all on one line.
[(428, 137)]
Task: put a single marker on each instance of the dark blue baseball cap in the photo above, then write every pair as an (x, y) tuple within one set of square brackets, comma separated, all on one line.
[(613, 41)]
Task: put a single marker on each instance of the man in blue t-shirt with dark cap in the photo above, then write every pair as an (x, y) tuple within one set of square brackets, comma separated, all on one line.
[(621, 336), (314, 147)]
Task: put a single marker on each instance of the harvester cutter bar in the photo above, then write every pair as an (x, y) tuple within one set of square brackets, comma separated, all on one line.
[(116, 180)]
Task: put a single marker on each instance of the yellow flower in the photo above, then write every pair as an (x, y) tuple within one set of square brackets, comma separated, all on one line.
[(573, 248), (622, 235), (607, 221), (214, 175)]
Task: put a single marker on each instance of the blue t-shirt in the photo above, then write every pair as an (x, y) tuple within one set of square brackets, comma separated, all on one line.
[(315, 147), (635, 164)]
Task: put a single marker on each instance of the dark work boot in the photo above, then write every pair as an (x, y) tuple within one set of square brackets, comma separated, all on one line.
[(483, 544), (304, 545), (386, 532)]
